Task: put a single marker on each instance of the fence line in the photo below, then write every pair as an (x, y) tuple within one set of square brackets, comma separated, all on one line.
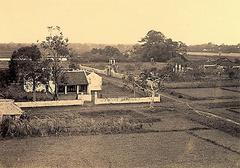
[(99, 71)]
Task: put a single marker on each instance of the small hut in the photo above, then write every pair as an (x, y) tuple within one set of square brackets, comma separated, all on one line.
[(9, 109)]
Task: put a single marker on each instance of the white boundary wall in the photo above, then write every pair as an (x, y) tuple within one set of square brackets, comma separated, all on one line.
[(113, 74), (124, 100), (50, 103), (117, 75), (85, 97), (104, 72)]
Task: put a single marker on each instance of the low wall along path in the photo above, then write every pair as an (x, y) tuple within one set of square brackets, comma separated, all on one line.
[(50, 103), (126, 100)]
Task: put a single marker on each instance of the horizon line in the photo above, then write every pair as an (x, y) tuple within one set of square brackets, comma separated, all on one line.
[(95, 43)]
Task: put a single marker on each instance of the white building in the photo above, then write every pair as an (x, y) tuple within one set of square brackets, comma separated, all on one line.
[(77, 82)]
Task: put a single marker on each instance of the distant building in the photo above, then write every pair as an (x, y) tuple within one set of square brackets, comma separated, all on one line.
[(236, 67), (220, 64), (64, 58), (112, 67), (112, 61)]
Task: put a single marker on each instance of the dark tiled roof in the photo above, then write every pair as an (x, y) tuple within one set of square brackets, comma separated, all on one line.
[(222, 62), (180, 60), (74, 78)]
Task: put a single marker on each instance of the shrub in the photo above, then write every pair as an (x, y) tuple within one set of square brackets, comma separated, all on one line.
[(129, 67), (55, 126), (233, 73), (15, 128), (180, 96), (17, 93)]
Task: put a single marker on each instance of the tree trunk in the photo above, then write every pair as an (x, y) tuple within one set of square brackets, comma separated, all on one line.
[(56, 75), (56, 92), (134, 90), (34, 90)]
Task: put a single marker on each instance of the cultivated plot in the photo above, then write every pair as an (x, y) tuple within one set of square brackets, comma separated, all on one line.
[(208, 93), (234, 89)]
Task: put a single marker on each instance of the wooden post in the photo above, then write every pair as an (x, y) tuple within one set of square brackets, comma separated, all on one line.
[(153, 95), (65, 89), (77, 89), (134, 90), (94, 97)]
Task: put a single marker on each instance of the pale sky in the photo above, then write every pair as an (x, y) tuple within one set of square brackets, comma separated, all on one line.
[(121, 21)]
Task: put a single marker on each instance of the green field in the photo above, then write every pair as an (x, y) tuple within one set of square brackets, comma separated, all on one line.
[(234, 89)]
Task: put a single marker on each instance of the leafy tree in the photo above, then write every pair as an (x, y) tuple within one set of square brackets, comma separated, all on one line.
[(130, 80), (56, 47), (156, 46), (233, 73), (26, 65), (4, 78), (237, 61), (108, 52), (23, 54), (73, 66)]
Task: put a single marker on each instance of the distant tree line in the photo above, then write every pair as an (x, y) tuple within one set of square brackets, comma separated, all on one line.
[(155, 46), (210, 47), (103, 54), (6, 49), (81, 48)]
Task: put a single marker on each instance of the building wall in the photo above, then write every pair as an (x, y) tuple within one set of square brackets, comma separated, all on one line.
[(51, 87), (95, 82), (28, 87)]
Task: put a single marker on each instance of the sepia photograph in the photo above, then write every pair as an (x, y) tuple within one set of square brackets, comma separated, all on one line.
[(119, 84)]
